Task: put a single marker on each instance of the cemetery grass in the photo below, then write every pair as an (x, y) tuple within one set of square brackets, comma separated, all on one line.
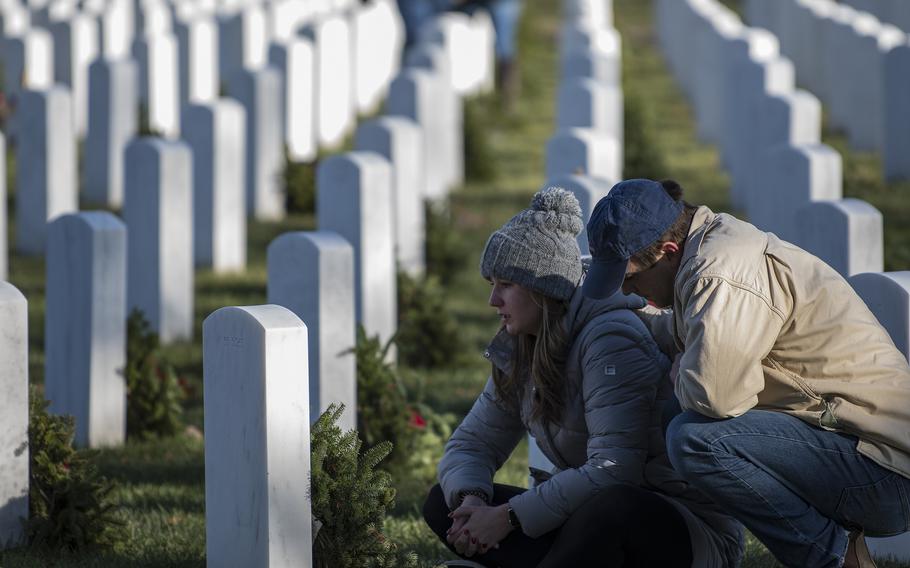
[(161, 482)]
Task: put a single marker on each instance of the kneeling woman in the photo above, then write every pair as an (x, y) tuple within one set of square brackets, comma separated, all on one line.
[(586, 379)]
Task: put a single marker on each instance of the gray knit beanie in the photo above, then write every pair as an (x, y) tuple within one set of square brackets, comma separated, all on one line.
[(538, 248)]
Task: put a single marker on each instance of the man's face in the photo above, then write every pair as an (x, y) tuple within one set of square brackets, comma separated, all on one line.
[(654, 282)]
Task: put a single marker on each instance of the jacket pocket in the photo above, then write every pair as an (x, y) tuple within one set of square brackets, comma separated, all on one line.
[(796, 380), (880, 508)]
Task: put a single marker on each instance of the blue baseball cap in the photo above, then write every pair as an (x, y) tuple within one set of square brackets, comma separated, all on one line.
[(630, 218)]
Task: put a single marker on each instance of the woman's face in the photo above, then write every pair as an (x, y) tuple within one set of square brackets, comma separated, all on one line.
[(516, 308)]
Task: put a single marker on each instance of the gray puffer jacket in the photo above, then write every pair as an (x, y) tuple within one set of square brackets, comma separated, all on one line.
[(610, 431)]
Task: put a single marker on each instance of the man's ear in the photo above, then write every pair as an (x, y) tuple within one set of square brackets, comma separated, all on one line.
[(669, 248)]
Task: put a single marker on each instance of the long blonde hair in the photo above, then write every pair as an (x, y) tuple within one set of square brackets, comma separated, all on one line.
[(542, 357)]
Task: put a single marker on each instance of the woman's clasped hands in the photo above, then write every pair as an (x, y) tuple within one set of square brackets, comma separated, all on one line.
[(478, 527)]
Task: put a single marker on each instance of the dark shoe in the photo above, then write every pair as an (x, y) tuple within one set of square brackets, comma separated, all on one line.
[(462, 564), (858, 555)]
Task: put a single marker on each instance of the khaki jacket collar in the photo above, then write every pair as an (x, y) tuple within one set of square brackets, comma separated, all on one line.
[(702, 221)]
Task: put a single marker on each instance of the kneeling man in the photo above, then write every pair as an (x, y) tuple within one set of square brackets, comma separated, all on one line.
[(796, 403)]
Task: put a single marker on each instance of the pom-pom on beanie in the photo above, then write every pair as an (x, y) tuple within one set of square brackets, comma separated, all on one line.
[(538, 248)]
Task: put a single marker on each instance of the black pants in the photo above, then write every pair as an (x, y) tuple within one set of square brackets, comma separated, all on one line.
[(623, 526)]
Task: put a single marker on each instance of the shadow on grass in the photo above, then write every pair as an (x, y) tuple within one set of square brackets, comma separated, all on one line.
[(177, 460)]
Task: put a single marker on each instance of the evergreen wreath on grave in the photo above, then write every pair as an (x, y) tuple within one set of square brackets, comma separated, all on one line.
[(383, 412), (70, 505), (350, 499), (154, 393), (387, 411)]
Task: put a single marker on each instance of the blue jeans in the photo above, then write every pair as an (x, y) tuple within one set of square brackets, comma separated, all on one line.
[(798, 488), (505, 15)]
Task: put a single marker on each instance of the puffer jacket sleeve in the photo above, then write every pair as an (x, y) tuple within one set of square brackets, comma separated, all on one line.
[(729, 330), (480, 445), (622, 368)]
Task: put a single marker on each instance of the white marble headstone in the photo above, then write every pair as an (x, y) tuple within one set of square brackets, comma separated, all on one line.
[(593, 12), (448, 109), (847, 234), (452, 32), (796, 176), (198, 59), (286, 17), (243, 40), (792, 118), (14, 482), (158, 211), (28, 61), (888, 296), (294, 60), (354, 199), (312, 274), (588, 191), (331, 39), (260, 94), (112, 123), (4, 245), (587, 103), (85, 325), (586, 63), (752, 82), (75, 47), (257, 441), (866, 121), (896, 151), (840, 63), (584, 152), (412, 95), (216, 134), (157, 59), (118, 29), (485, 38), (370, 44), (46, 160), (400, 141), (712, 48)]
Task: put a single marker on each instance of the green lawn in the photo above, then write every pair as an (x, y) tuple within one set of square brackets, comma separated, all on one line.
[(161, 483)]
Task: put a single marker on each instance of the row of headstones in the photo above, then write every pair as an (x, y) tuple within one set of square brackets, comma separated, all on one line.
[(373, 197), (320, 276), (333, 64), (588, 139), (585, 155), (858, 65), (895, 12), (257, 423), (427, 93), (769, 135), (237, 149), (794, 188)]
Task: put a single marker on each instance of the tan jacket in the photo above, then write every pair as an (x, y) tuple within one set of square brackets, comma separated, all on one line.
[(763, 324)]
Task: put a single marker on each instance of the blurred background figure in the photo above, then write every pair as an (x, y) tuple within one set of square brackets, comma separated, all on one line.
[(505, 15)]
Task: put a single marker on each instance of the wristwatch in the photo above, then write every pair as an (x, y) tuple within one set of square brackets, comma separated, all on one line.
[(513, 518)]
